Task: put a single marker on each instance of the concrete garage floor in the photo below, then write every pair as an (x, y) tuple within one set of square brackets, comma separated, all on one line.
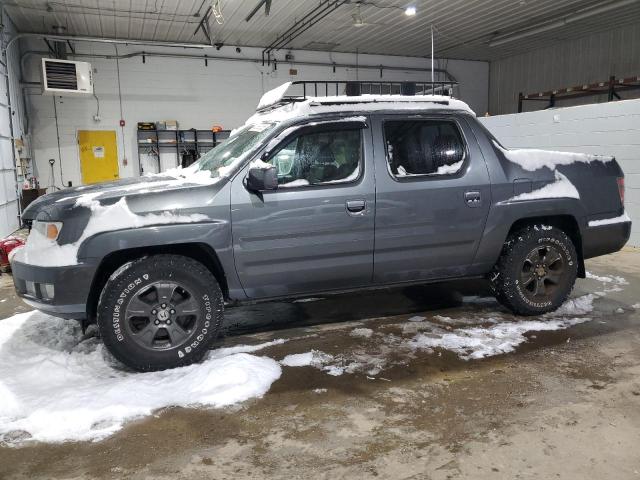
[(565, 404)]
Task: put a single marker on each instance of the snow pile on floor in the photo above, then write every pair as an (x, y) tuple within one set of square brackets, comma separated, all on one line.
[(476, 342), (313, 358), (575, 306), (483, 333), (336, 365), (361, 332), (55, 388), (39, 250), (607, 278), (611, 283)]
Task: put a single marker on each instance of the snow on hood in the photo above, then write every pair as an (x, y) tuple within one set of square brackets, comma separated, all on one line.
[(171, 179), (54, 388), (532, 159), (41, 251)]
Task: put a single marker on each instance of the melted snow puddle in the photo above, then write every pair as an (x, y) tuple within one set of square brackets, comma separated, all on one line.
[(483, 334), (53, 388)]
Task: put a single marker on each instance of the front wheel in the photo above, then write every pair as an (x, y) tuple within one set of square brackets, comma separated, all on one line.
[(160, 312), (536, 270)]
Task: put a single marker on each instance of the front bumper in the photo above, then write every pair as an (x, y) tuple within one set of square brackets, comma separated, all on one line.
[(58, 291)]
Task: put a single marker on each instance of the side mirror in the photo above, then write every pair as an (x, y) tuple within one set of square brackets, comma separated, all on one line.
[(260, 179)]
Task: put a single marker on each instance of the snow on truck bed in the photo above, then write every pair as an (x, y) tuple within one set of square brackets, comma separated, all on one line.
[(532, 159)]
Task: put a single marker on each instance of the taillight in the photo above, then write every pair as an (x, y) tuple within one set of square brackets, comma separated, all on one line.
[(621, 189)]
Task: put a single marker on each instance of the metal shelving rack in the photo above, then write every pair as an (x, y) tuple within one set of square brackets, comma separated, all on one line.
[(152, 142), (610, 88)]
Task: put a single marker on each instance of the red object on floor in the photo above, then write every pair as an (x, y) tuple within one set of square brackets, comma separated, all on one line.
[(6, 245)]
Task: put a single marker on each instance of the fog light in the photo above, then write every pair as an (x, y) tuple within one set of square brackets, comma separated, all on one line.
[(31, 288), (47, 290)]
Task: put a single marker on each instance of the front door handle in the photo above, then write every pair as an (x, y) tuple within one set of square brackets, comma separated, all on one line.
[(356, 206), (473, 199)]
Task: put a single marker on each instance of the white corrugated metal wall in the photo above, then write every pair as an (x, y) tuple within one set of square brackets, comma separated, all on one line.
[(9, 116), (592, 58)]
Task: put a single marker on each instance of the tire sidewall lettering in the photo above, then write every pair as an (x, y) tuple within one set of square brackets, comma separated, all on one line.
[(542, 241)]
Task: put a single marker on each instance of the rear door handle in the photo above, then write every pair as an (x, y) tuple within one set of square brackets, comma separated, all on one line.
[(473, 199), (356, 206)]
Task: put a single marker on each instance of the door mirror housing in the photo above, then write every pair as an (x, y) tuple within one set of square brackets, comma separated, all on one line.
[(262, 178)]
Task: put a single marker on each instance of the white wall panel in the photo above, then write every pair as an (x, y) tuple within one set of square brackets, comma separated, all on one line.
[(8, 195), (197, 96), (606, 129), (593, 58)]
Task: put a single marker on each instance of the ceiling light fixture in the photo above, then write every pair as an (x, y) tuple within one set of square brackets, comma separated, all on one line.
[(410, 11), (357, 17)]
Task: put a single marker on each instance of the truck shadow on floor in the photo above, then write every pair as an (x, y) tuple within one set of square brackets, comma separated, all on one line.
[(324, 309)]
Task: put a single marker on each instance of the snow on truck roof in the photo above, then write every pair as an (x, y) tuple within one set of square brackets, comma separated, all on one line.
[(275, 106)]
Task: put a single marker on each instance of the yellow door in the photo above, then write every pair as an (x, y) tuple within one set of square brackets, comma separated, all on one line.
[(98, 155)]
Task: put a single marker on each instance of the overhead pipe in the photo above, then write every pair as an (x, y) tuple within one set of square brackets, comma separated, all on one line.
[(208, 58), (105, 40), (546, 26), (305, 23)]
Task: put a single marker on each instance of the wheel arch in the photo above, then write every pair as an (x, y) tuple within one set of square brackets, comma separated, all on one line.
[(567, 223), (200, 252)]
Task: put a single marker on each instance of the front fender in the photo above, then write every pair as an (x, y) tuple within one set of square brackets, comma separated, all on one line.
[(216, 234)]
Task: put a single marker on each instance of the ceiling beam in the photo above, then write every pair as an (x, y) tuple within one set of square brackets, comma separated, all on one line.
[(267, 9)]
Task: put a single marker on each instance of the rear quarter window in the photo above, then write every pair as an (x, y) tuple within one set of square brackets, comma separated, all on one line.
[(423, 147)]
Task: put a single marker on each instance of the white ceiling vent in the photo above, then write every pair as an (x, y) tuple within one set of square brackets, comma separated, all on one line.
[(64, 77)]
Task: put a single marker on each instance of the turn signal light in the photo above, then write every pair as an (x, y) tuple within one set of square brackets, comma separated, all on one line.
[(52, 231), (49, 230)]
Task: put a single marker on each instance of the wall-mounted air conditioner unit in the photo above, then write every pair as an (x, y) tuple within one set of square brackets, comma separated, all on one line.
[(64, 77)]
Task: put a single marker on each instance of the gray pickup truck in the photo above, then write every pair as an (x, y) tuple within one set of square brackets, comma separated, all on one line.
[(317, 195)]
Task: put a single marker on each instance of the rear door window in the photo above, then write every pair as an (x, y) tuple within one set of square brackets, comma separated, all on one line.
[(423, 147)]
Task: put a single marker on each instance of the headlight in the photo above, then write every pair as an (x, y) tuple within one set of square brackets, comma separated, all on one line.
[(49, 230)]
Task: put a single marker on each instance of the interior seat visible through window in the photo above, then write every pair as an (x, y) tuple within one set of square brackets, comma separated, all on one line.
[(318, 157)]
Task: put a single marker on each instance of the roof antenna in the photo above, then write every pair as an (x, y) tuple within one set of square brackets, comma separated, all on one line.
[(432, 69)]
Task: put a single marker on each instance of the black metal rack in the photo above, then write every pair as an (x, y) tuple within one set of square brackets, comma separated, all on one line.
[(611, 88), (152, 142), (305, 89)]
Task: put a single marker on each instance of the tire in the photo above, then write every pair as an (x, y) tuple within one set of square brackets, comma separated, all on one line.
[(159, 312), (536, 270)]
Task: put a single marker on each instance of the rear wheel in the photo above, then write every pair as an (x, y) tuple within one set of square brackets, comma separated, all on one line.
[(159, 312), (536, 270)]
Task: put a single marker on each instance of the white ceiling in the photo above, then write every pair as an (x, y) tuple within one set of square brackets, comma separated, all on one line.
[(463, 28)]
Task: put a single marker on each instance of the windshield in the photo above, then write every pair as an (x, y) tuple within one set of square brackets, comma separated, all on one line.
[(221, 159)]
